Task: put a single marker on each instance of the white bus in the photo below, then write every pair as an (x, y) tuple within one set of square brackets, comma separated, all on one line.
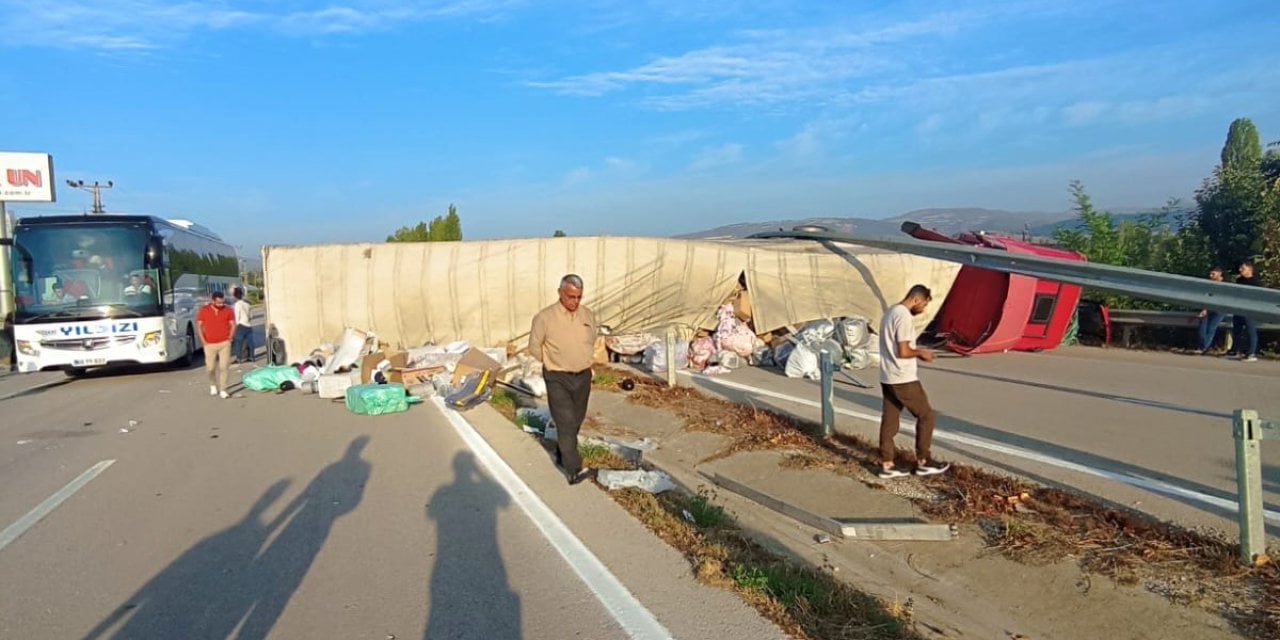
[(99, 290)]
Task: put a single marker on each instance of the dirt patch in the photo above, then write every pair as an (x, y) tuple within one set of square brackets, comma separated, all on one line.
[(1026, 522)]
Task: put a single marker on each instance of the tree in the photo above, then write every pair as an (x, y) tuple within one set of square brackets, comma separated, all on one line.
[(559, 234), (1243, 147), (444, 228)]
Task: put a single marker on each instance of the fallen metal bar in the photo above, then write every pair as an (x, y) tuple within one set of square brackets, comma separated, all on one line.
[(898, 531), (821, 523), (1197, 293)]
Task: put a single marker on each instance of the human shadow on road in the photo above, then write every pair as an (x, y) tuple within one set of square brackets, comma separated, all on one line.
[(228, 579), (470, 595), (335, 492), (206, 591)]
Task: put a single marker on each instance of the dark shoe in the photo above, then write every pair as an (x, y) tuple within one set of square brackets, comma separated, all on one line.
[(582, 475), (891, 473)]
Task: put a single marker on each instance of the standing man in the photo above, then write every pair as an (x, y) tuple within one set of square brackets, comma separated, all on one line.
[(242, 340), (563, 338), (1209, 319), (901, 386), (1244, 330), (216, 321)]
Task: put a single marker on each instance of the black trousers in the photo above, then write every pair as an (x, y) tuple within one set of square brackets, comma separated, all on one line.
[(567, 395)]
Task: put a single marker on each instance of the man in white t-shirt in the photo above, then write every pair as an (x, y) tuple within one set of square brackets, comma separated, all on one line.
[(242, 341), (901, 385)]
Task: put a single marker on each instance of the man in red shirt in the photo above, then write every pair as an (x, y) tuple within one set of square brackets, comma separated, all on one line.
[(216, 322)]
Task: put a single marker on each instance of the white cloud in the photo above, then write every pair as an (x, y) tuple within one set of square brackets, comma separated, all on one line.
[(714, 157), (139, 25), (577, 176)]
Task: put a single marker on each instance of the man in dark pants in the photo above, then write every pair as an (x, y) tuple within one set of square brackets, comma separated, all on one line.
[(563, 337), (1210, 319), (901, 385), (1244, 330)]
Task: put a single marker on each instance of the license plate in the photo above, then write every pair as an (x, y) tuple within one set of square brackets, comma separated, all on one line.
[(88, 362)]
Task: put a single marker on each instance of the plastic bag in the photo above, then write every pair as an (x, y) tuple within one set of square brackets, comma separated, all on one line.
[(631, 343), (701, 352), (474, 390), (853, 333), (802, 363), (269, 378), (650, 481), (377, 399), (732, 334), (655, 356), (815, 331)]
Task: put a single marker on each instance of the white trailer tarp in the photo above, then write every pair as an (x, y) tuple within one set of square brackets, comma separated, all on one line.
[(486, 292)]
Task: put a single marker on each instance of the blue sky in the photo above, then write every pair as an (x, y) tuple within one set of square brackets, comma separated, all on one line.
[(291, 121)]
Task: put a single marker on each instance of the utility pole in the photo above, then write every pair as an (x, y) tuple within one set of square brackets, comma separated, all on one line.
[(96, 188)]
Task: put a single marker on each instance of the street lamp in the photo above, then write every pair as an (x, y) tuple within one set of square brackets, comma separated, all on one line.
[(96, 188)]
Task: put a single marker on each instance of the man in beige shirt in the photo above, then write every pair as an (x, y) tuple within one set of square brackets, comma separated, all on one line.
[(563, 338)]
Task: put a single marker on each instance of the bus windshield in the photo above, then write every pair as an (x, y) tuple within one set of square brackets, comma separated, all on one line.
[(65, 272)]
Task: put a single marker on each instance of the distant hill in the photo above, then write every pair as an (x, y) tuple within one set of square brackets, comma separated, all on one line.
[(1039, 224)]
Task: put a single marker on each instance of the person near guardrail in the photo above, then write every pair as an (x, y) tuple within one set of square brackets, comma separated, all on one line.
[(242, 339), (900, 385), (563, 338), (1244, 330), (1210, 319)]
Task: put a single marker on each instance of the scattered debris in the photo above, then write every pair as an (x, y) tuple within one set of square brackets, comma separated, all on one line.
[(822, 538), (124, 430), (25, 441), (649, 481), (133, 423)]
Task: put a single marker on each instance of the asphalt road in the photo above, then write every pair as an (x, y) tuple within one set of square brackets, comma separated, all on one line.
[(1145, 430), (285, 516)]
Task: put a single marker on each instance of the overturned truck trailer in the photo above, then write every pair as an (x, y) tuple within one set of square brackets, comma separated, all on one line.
[(486, 292)]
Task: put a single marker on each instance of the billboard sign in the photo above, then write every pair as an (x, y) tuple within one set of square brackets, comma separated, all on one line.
[(26, 177)]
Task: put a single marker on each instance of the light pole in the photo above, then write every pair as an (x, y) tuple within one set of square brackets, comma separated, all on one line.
[(96, 188)]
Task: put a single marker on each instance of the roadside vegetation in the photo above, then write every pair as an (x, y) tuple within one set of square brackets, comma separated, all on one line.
[(1026, 522)]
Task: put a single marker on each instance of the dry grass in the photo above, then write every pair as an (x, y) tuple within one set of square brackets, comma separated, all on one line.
[(804, 602), (1026, 522)]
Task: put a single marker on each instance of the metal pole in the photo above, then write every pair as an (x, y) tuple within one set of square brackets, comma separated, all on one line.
[(6, 275), (671, 357), (1245, 428), (828, 409)]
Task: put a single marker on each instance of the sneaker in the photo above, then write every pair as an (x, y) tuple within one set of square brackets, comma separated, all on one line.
[(931, 468), (223, 395), (891, 473), (213, 390), (1251, 359), (1230, 356)]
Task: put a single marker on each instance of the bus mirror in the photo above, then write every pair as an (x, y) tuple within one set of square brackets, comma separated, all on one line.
[(155, 247)]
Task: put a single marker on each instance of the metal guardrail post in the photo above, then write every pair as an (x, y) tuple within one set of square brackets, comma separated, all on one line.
[(1246, 427), (827, 369), (671, 357)]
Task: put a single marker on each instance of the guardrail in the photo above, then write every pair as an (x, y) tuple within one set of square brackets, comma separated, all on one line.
[(1130, 320), (1249, 431)]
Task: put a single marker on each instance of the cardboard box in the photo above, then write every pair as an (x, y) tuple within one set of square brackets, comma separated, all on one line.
[(333, 385), (399, 360), (474, 360), (410, 377)]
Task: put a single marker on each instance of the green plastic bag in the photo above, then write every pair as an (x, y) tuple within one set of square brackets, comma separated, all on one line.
[(377, 399), (269, 378)]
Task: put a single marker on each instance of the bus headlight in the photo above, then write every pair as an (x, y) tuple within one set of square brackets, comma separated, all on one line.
[(152, 339), (26, 348)]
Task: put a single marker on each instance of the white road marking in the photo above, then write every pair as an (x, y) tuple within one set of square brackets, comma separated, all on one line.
[(908, 427), (636, 621), (13, 531)]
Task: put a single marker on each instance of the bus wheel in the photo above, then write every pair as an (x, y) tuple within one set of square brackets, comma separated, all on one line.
[(188, 355)]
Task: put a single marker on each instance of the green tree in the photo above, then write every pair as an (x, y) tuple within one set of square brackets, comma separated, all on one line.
[(1244, 147), (559, 234), (444, 228)]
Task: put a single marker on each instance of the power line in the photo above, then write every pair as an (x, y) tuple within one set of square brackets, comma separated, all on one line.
[(96, 188)]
